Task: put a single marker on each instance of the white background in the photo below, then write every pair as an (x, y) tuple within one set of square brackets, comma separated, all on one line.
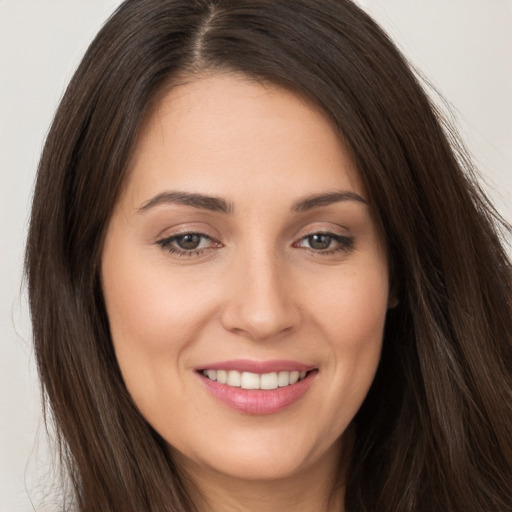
[(462, 46)]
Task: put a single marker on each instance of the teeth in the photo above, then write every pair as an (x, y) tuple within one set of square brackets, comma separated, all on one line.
[(234, 379), (283, 379), (248, 380), (269, 381)]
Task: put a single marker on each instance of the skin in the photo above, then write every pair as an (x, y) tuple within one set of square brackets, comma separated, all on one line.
[(256, 288)]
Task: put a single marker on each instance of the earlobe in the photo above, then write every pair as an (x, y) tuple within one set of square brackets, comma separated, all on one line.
[(393, 301), (393, 297), (395, 290)]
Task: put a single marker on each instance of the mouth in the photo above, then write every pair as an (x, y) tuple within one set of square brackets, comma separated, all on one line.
[(250, 380), (269, 388)]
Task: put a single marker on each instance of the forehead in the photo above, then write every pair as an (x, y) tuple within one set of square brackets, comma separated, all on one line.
[(214, 133)]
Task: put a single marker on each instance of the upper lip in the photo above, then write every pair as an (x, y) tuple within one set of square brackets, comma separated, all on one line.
[(261, 367)]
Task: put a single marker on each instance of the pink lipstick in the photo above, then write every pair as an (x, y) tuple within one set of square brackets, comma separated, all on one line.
[(257, 387)]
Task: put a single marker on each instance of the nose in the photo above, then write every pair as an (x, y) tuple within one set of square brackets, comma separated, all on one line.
[(260, 302)]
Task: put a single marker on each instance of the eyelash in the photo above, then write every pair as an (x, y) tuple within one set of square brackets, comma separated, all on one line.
[(345, 243), (166, 243)]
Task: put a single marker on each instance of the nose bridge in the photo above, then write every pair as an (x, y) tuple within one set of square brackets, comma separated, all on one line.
[(260, 304)]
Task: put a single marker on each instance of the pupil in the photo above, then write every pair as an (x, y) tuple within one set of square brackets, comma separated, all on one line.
[(189, 242), (319, 241)]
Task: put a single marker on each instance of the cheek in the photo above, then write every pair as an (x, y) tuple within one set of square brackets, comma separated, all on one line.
[(351, 308), (351, 316), (148, 309), (153, 319), (153, 323)]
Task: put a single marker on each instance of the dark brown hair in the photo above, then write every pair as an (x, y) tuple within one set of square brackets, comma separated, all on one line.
[(435, 432)]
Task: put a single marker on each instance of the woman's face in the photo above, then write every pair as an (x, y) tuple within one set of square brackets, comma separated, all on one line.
[(243, 255)]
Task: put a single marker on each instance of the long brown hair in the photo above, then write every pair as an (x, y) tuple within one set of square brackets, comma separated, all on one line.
[(435, 432)]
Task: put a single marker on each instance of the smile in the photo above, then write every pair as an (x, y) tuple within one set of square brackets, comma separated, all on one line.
[(249, 380), (257, 388)]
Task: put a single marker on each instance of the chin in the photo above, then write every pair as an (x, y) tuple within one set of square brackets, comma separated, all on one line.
[(263, 456)]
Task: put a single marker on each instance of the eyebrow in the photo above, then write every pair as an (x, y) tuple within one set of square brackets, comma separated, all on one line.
[(217, 204), (200, 201), (319, 200)]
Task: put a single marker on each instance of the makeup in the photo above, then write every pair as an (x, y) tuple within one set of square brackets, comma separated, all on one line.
[(257, 388), (245, 279)]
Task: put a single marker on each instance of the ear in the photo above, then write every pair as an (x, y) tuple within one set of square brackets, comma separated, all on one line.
[(394, 293), (393, 300), (395, 287)]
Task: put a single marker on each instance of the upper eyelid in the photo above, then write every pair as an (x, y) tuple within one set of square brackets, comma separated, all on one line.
[(333, 230), (175, 236), (187, 229), (169, 244), (324, 231), (317, 231), (319, 227), (346, 240)]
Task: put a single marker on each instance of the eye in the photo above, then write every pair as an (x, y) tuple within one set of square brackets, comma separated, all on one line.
[(326, 242), (188, 244)]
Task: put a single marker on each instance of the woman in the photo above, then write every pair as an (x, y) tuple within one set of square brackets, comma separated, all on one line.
[(261, 276)]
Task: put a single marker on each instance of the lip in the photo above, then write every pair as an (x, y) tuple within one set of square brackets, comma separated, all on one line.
[(256, 401), (248, 365)]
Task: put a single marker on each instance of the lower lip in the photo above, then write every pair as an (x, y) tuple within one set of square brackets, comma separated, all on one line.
[(257, 401)]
